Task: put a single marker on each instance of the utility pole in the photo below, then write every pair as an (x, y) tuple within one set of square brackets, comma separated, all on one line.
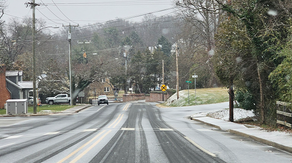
[(162, 79), (126, 48), (70, 72), (177, 79), (33, 5)]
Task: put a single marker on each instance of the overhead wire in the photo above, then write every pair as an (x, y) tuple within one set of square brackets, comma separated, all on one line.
[(134, 16), (53, 12), (110, 3), (63, 13), (47, 17), (130, 27)]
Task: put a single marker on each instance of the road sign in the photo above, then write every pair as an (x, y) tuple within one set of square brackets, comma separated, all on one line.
[(163, 87), (195, 76), (189, 81)]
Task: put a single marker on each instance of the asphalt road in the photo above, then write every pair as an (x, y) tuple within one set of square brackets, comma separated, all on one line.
[(128, 132)]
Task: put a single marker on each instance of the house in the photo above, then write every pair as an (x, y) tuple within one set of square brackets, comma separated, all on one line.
[(102, 87), (12, 86)]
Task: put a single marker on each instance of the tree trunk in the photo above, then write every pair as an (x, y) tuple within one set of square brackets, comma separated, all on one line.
[(262, 111), (231, 99)]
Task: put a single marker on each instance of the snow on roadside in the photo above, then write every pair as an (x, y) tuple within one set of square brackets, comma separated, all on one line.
[(237, 113), (180, 101)]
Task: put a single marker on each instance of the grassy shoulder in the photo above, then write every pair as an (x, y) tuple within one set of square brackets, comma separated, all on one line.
[(53, 108), (197, 97)]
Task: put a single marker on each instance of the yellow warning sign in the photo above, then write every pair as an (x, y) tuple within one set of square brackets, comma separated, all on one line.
[(163, 87)]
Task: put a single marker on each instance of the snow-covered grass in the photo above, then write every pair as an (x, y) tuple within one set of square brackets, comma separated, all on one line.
[(208, 96), (198, 97)]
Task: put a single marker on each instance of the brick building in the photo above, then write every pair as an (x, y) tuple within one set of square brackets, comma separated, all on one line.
[(12, 86), (4, 93)]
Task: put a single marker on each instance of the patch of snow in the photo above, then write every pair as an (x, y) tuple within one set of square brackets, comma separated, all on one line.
[(237, 114), (173, 99)]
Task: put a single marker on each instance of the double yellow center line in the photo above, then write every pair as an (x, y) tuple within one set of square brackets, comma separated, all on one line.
[(120, 117), (83, 146), (102, 134)]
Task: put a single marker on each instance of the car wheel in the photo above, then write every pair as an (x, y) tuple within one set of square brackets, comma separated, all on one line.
[(107, 103), (51, 102)]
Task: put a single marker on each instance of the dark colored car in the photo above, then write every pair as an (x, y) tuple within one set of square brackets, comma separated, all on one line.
[(102, 99)]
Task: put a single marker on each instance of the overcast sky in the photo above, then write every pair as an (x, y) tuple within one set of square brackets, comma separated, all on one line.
[(84, 12)]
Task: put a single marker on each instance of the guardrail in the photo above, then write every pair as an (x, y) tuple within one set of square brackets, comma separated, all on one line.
[(284, 113)]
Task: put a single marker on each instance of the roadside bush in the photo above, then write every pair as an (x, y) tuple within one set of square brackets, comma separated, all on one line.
[(245, 100)]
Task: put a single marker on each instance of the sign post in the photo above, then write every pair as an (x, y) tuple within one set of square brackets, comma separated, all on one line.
[(189, 91), (163, 89), (195, 77)]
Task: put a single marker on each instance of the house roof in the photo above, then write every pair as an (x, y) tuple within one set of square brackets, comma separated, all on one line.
[(13, 73), (26, 84), (22, 84)]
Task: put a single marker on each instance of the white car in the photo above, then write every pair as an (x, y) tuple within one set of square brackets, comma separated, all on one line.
[(102, 99)]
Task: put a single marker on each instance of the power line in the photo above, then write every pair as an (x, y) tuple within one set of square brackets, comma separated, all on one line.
[(150, 13), (110, 3), (63, 13), (136, 16), (53, 12), (47, 17)]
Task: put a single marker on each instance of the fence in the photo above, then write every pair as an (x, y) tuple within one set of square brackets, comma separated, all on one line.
[(284, 113)]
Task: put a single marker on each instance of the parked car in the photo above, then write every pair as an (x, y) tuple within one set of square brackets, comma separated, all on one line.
[(30, 100), (60, 98), (102, 99)]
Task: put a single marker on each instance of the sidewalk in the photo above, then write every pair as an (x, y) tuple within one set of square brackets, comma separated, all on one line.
[(276, 139)]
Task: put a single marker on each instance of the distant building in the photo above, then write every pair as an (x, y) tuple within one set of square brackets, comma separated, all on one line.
[(5, 94), (102, 87), (12, 86)]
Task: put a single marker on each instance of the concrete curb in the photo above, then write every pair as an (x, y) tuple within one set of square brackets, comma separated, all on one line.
[(210, 124), (256, 138), (268, 142)]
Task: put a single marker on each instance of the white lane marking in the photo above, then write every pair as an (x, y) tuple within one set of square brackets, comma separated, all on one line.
[(52, 133), (201, 148), (14, 137), (204, 130), (90, 130), (7, 145), (128, 129), (165, 129)]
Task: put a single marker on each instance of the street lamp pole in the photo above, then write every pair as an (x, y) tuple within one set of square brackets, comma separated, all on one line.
[(70, 72)]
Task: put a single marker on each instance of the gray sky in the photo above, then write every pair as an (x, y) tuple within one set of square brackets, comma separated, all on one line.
[(84, 12)]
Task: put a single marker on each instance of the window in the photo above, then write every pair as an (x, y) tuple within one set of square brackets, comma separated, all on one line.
[(106, 89), (102, 80)]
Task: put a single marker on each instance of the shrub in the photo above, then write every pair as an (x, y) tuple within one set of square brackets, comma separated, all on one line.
[(245, 100)]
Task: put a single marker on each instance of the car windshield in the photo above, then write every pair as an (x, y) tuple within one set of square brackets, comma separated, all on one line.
[(102, 97)]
